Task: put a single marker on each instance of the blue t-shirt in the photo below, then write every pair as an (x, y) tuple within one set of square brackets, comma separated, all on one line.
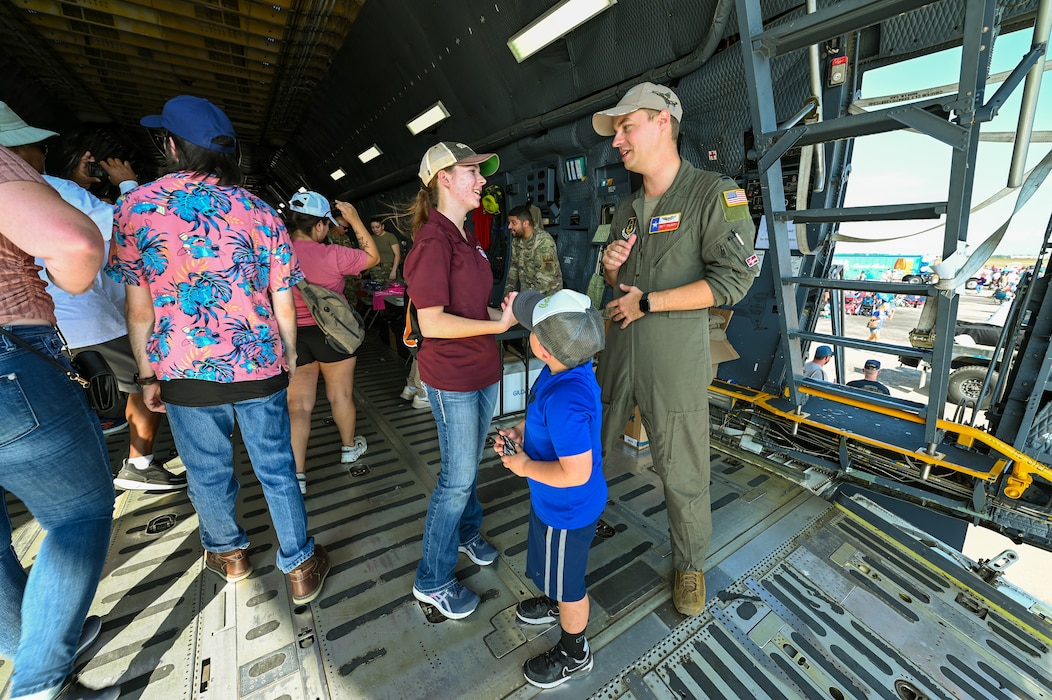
[(563, 417)]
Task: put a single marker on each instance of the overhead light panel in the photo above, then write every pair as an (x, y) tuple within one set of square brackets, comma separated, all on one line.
[(554, 24), (370, 153), (431, 116), (337, 174)]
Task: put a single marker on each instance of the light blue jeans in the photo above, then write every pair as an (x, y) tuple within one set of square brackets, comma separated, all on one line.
[(454, 515), (53, 458), (202, 436)]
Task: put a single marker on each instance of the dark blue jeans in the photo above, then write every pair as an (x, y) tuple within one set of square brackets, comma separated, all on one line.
[(53, 458)]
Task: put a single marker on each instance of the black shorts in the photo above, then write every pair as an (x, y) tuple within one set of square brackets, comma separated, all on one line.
[(311, 347)]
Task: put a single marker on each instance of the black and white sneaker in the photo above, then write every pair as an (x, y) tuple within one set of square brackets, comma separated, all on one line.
[(555, 667), (152, 478), (537, 611)]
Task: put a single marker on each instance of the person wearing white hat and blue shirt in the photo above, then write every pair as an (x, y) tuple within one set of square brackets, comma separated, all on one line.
[(679, 245), (558, 449)]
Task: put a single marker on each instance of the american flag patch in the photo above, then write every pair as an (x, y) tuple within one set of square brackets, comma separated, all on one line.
[(752, 261), (735, 198)]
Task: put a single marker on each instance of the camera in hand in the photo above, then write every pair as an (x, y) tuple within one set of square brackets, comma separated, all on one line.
[(95, 170)]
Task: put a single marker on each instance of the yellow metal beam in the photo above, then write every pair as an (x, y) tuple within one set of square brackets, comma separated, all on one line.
[(1024, 468)]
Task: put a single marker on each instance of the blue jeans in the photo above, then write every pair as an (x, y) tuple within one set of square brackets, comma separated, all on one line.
[(53, 458), (454, 515), (202, 435)]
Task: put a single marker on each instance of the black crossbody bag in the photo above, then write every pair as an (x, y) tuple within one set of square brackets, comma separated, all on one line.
[(90, 370)]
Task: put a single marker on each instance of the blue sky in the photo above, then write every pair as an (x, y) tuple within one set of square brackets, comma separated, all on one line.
[(904, 167)]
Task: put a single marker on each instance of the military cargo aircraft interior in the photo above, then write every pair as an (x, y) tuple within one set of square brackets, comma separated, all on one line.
[(835, 567)]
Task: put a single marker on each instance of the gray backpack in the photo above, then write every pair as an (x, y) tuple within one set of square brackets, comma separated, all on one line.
[(343, 327)]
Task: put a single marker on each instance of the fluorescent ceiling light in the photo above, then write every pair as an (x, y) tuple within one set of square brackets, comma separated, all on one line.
[(369, 153), (337, 174), (431, 116), (553, 24), (302, 189)]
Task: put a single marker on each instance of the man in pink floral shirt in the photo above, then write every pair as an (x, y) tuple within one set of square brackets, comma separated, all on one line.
[(209, 271)]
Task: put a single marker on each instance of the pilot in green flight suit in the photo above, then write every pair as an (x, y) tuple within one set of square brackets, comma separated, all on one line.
[(680, 245)]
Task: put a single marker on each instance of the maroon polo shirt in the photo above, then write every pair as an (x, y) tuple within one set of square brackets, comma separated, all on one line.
[(443, 269)]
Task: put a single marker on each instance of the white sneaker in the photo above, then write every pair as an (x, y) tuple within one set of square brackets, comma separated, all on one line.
[(351, 453), (421, 402), (408, 393)]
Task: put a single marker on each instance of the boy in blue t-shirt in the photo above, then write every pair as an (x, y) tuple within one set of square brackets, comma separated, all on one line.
[(557, 448)]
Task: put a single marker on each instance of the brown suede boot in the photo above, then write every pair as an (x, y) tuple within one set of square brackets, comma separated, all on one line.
[(233, 565), (306, 579), (688, 592)]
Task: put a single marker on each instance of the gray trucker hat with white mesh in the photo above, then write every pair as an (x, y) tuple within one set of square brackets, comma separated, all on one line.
[(566, 323)]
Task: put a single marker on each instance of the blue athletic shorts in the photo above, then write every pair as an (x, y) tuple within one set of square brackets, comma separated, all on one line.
[(557, 559)]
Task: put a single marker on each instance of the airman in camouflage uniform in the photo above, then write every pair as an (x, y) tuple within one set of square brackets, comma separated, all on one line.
[(534, 260)]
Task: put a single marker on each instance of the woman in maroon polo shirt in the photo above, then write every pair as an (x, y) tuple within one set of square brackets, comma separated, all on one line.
[(449, 280)]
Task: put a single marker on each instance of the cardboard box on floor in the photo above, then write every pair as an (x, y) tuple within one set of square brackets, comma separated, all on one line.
[(720, 350), (635, 434)]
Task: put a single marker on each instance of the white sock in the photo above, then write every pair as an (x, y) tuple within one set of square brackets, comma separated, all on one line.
[(141, 463)]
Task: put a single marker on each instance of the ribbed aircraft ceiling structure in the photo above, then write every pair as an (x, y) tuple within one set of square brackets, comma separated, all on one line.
[(310, 84)]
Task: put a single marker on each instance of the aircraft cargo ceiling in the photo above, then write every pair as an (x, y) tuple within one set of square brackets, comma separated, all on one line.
[(311, 84)]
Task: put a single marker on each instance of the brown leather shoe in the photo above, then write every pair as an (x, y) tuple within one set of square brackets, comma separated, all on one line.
[(233, 565), (688, 592), (306, 579)]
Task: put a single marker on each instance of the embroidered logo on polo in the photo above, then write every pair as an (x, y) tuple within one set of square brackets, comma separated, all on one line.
[(629, 228), (665, 222)]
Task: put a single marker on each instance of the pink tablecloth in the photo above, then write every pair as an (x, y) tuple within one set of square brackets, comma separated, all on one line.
[(378, 296)]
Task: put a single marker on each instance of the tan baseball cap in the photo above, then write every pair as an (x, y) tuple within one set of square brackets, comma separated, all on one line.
[(642, 96), (447, 153)]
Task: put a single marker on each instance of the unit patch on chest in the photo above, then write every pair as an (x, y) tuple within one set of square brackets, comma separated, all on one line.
[(665, 222), (629, 228)]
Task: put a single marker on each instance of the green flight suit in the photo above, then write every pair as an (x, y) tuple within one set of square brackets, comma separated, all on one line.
[(661, 362)]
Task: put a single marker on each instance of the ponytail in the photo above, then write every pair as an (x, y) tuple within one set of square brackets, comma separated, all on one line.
[(418, 209)]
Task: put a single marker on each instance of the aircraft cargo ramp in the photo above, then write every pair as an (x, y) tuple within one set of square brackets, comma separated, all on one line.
[(806, 598)]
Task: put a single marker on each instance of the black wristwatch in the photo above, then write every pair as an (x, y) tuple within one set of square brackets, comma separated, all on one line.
[(144, 381), (644, 303)]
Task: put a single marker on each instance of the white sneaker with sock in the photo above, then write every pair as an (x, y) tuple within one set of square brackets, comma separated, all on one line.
[(351, 453)]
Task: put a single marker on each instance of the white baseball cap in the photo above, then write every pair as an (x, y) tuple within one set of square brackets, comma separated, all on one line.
[(447, 153)]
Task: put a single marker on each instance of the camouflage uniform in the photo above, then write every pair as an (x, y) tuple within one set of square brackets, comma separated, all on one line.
[(534, 264)]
